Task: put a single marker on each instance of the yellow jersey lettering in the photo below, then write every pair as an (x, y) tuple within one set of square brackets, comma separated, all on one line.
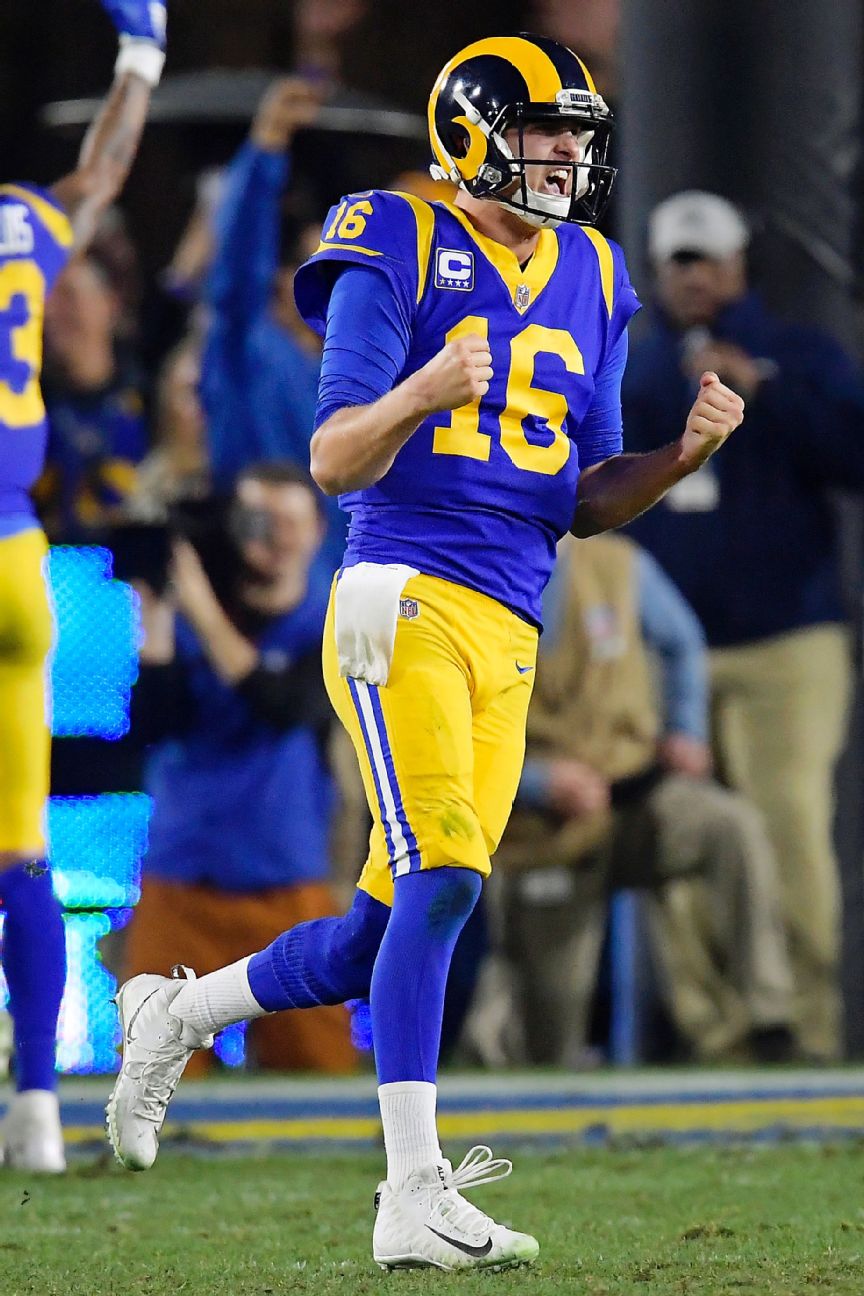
[(354, 222), (523, 399), (22, 297), (462, 435), (335, 222)]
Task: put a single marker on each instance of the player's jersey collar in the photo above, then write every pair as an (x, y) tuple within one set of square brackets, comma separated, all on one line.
[(536, 275)]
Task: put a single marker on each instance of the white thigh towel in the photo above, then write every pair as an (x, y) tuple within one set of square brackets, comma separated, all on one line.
[(367, 605)]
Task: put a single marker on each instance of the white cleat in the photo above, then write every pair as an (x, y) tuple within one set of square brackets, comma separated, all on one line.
[(31, 1137), (157, 1044), (429, 1224)]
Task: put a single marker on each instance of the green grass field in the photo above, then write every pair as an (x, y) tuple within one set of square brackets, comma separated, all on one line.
[(778, 1220)]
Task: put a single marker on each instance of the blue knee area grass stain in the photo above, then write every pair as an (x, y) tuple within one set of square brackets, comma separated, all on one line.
[(452, 906)]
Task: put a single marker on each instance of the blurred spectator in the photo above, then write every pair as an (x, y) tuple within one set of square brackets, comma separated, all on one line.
[(184, 276), (613, 796), (114, 249), (591, 27), (750, 540), (232, 697), (176, 468), (94, 395), (259, 378), (321, 29)]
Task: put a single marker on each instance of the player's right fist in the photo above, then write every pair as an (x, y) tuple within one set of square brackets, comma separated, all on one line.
[(459, 374), (138, 19)]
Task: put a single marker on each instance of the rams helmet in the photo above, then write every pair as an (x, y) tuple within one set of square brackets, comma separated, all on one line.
[(505, 83)]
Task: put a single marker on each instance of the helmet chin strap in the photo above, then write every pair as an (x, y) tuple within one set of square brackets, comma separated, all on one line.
[(551, 213)]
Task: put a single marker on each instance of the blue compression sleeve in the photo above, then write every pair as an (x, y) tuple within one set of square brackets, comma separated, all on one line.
[(430, 908), (672, 629), (325, 961), (34, 961), (366, 342), (600, 433)]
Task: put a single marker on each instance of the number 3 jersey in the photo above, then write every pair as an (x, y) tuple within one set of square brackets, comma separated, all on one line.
[(479, 495), (35, 243)]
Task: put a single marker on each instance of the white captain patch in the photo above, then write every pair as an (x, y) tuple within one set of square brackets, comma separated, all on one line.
[(454, 269)]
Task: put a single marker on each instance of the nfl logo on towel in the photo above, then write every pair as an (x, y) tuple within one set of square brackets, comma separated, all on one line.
[(454, 269), (409, 609)]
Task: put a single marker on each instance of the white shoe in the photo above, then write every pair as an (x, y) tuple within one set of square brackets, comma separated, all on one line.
[(428, 1223), (32, 1138), (157, 1044)]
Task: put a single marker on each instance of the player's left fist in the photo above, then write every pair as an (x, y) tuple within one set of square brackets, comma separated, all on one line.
[(716, 412), (138, 19)]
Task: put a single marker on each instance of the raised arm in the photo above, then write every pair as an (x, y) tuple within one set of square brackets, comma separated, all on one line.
[(247, 219), (111, 142), (615, 491)]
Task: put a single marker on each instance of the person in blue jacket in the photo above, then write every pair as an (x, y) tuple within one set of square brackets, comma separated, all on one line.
[(260, 367), (231, 708), (751, 542)]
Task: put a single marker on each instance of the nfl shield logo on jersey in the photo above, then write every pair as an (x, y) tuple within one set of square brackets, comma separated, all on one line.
[(454, 269), (523, 297), (409, 608)]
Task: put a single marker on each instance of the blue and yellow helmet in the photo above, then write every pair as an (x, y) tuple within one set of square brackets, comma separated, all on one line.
[(504, 83)]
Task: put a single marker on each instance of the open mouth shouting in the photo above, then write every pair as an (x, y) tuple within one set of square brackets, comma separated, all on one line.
[(558, 182)]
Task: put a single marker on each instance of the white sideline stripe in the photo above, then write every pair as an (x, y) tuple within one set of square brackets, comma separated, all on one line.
[(401, 862)]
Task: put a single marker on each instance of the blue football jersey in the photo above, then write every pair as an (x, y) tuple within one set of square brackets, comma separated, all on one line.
[(35, 243), (480, 495)]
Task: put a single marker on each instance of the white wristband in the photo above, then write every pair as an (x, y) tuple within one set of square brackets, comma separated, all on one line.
[(141, 56)]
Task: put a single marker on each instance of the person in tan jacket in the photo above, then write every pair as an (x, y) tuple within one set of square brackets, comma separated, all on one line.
[(617, 792)]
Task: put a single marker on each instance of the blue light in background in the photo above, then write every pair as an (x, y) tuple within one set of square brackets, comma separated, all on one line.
[(95, 659), (96, 847)]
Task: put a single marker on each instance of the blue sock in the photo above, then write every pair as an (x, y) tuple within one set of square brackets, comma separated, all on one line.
[(34, 961), (325, 961), (430, 909)]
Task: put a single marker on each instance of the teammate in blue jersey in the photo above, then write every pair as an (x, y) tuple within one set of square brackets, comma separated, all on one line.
[(468, 417), (39, 230)]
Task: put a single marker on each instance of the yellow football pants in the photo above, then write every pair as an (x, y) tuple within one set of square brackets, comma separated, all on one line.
[(25, 640), (441, 745)]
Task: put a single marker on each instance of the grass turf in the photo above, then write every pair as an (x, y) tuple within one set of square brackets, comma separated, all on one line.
[(777, 1220)]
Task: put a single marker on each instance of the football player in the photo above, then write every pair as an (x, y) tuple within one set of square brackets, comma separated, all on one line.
[(39, 230), (468, 417)]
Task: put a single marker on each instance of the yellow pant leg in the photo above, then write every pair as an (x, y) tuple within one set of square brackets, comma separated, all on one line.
[(499, 734), (415, 736), (25, 640)]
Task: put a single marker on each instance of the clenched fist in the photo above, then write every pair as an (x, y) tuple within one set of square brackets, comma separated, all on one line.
[(459, 374), (717, 411)]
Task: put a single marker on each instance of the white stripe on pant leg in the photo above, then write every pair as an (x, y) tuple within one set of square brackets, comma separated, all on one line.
[(401, 860)]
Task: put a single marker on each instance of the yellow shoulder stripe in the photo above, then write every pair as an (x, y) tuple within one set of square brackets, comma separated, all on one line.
[(425, 218), (607, 267), (345, 247), (55, 221)]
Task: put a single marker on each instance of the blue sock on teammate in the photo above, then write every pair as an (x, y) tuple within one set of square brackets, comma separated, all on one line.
[(34, 961)]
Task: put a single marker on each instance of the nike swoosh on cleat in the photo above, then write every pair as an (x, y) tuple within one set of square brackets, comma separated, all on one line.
[(129, 1039), (463, 1246), (523, 670)]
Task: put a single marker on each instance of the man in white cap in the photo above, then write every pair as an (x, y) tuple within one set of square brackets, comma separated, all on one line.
[(750, 540)]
